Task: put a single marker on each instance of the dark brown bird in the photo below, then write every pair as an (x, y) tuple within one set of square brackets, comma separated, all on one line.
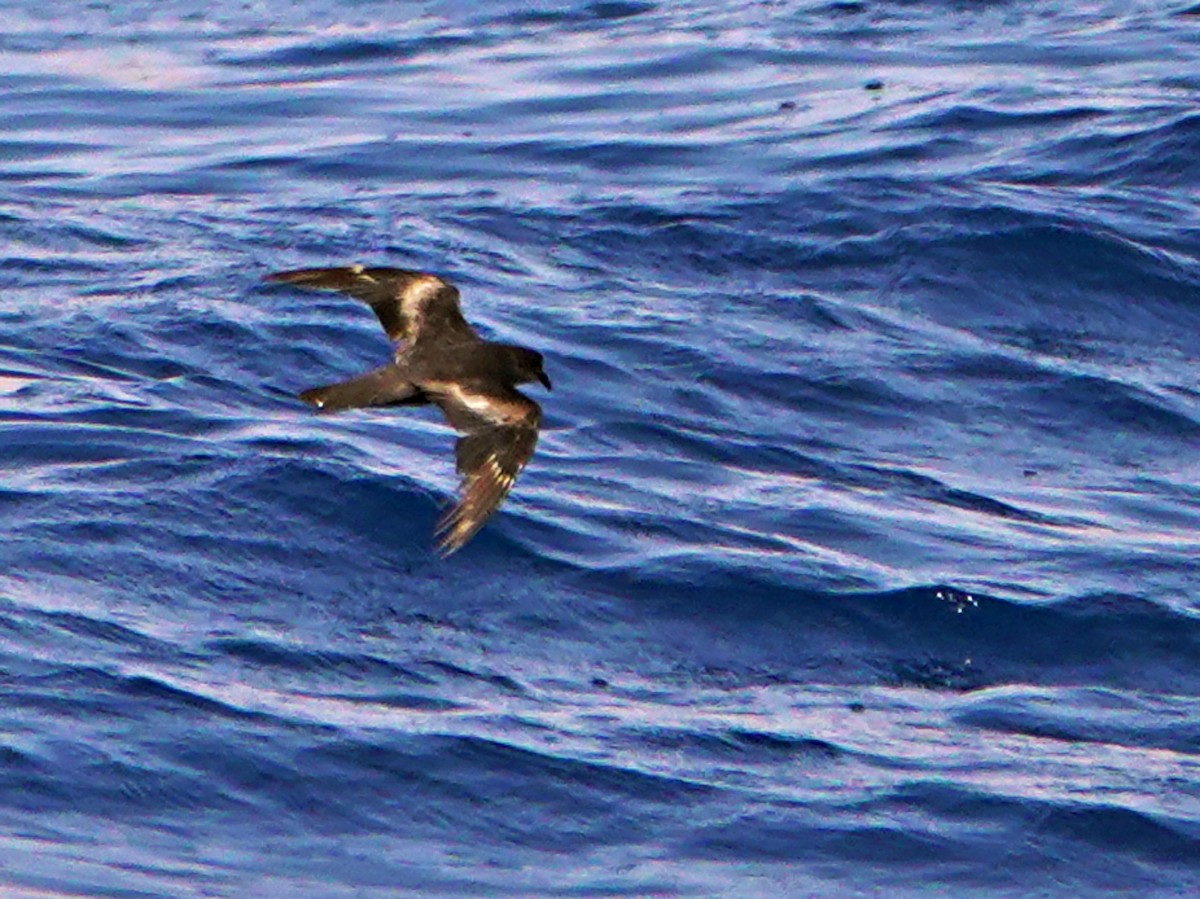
[(440, 359)]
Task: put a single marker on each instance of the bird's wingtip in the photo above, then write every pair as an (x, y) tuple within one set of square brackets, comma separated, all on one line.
[(449, 538), (337, 277)]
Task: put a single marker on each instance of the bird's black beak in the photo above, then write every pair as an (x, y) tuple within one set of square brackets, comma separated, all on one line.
[(541, 376)]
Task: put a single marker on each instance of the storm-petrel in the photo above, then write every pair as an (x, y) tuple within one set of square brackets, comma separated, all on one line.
[(440, 359)]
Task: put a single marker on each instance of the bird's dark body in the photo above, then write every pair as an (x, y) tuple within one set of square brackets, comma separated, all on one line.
[(440, 359), (477, 362)]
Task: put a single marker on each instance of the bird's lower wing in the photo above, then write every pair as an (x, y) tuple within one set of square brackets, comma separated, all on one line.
[(501, 432), (489, 462)]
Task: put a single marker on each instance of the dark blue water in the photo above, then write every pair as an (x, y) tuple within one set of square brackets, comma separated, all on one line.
[(861, 551)]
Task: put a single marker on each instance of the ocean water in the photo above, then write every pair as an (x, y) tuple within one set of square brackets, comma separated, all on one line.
[(861, 551)]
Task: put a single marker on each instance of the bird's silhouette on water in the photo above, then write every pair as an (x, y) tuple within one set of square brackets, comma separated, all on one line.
[(440, 359)]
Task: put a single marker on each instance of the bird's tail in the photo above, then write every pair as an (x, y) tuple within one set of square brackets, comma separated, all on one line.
[(383, 387)]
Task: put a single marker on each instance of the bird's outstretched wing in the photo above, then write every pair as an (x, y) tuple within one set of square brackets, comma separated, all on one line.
[(500, 433), (406, 302)]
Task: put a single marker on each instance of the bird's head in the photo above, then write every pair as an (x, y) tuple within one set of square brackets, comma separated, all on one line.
[(528, 365)]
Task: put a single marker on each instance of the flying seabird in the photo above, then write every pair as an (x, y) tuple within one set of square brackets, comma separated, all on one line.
[(440, 359)]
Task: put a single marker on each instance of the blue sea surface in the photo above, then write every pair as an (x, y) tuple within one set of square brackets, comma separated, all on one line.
[(860, 555)]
